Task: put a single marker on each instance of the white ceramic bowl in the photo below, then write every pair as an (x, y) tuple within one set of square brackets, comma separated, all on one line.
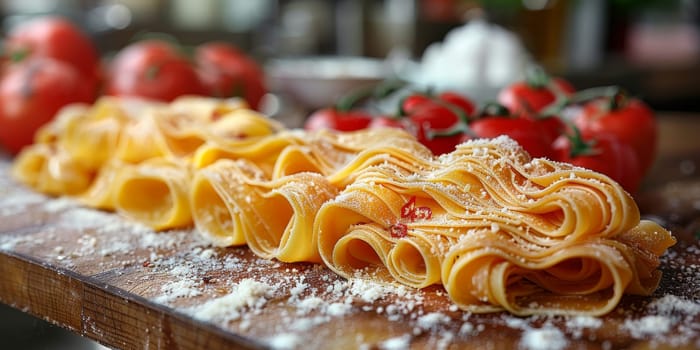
[(317, 82)]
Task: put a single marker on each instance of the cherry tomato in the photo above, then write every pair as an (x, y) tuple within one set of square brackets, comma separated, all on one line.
[(446, 98), (31, 93), (526, 97), (333, 119), (227, 72), (604, 153), (434, 116), (436, 126), (441, 144), (459, 101), (389, 122), (552, 127), (152, 69), (411, 102), (57, 38), (527, 132), (630, 120)]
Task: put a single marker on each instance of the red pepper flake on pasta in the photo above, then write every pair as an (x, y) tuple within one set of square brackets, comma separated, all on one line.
[(411, 212), (408, 209), (398, 230), (423, 213)]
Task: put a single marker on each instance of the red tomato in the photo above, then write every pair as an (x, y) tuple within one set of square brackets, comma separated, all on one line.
[(441, 144), (552, 127), (152, 69), (333, 119), (604, 154), (527, 132), (31, 93), (459, 101), (632, 122), (433, 124), (526, 98), (56, 38), (411, 102), (389, 122), (434, 116), (227, 72)]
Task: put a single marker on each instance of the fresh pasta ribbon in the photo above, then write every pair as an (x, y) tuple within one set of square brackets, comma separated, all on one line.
[(101, 154), (502, 232), (496, 228), (234, 204), (51, 171), (328, 153), (155, 193), (92, 137), (101, 192)]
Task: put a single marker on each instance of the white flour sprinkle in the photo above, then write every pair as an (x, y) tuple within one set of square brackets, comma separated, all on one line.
[(60, 204), (433, 321), (397, 343), (185, 288), (248, 294), (669, 305), (338, 309), (577, 324), (652, 325), (547, 338), (285, 341)]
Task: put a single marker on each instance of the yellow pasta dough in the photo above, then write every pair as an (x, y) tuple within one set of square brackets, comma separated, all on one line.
[(234, 204), (155, 193), (499, 230)]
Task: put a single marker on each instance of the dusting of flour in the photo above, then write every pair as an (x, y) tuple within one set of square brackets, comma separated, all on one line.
[(305, 298)]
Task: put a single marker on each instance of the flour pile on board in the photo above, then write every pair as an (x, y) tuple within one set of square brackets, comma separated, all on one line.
[(248, 295), (546, 338)]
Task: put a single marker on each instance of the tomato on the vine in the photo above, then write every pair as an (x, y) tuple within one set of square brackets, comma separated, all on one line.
[(31, 93), (527, 97), (152, 69), (628, 119), (527, 132), (384, 121), (459, 101), (227, 72), (604, 153), (552, 126), (434, 116), (448, 99), (334, 119), (409, 104), (437, 126)]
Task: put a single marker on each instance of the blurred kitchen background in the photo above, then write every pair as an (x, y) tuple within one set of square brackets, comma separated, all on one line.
[(649, 47)]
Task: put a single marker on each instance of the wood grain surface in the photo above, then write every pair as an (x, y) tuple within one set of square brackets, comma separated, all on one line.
[(127, 287)]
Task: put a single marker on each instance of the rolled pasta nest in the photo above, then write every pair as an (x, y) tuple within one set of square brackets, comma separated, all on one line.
[(498, 229)]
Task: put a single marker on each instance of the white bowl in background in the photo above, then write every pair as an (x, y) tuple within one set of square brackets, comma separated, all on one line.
[(319, 81)]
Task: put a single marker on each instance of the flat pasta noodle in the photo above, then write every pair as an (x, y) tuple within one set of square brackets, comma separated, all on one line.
[(51, 171), (100, 194), (328, 153), (235, 204), (155, 193), (93, 137)]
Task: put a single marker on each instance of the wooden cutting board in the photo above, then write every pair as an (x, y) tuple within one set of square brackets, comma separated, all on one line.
[(128, 287)]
